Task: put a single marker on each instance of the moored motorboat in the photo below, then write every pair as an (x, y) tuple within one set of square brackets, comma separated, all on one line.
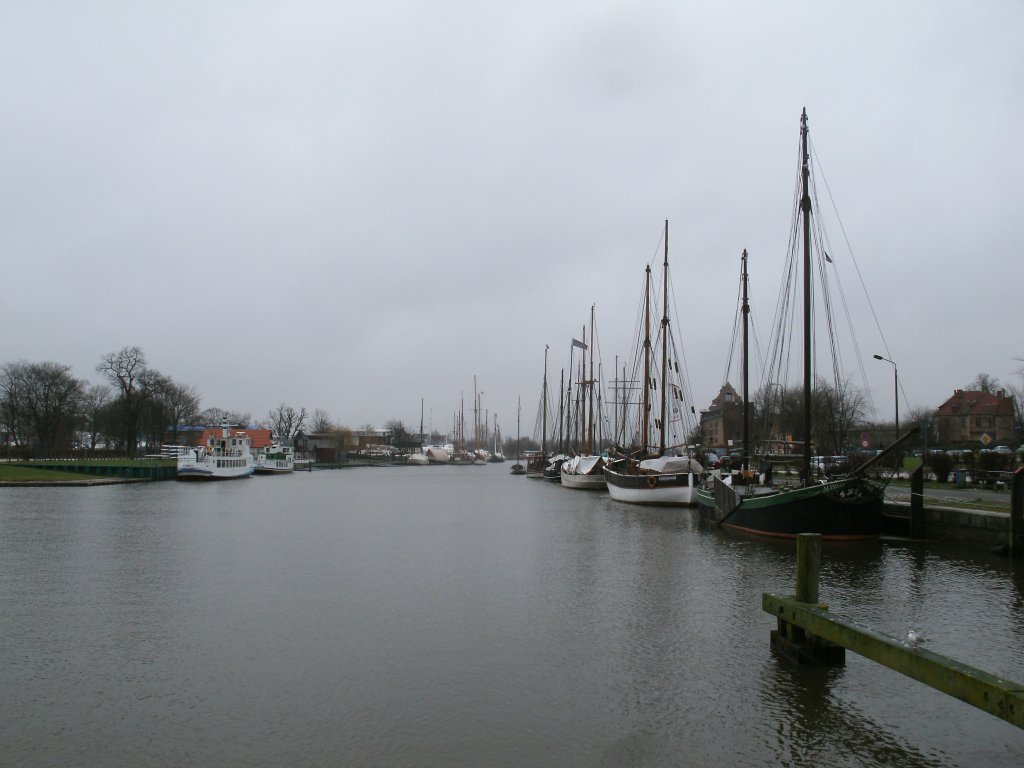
[(274, 459), (224, 457)]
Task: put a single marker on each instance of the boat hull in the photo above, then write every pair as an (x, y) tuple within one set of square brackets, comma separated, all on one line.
[(677, 489), (584, 472), (843, 510), (203, 472), (264, 469), (594, 482)]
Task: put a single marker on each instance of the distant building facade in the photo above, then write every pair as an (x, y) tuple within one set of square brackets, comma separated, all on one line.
[(199, 435), (722, 422), (976, 419)]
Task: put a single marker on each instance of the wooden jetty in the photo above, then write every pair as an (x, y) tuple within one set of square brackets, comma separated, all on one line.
[(808, 633)]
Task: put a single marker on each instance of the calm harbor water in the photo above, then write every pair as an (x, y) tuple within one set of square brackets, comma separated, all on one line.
[(459, 616)]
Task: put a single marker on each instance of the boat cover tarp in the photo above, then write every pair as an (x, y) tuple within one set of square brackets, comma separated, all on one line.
[(439, 455), (670, 464), (588, 465), (555, 462)]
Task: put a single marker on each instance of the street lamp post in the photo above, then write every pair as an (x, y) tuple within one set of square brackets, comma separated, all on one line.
[(896, 390)]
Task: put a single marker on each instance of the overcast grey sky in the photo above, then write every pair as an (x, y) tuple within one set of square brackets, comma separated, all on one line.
[(353, 206)]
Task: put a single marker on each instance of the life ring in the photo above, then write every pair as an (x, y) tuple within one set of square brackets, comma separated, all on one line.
[(652, 481)]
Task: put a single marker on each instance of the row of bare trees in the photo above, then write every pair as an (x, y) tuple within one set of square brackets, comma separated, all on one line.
[(839, 411), (836, 409), (44, 408)]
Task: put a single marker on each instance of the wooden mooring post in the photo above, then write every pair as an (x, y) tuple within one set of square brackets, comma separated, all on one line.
[(1016, 542), (808, 633), (917, 529)]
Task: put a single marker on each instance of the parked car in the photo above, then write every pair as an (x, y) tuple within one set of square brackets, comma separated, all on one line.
[(1002, 449)]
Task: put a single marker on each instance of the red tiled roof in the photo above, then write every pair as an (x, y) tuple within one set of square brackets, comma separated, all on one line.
[(965, 403), (258, 438)]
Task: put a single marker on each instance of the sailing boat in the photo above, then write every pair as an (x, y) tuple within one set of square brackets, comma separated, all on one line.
[(585, 470), (517, 468), (419, 458), (537, 462), (847, 507), (496, 457), (655, 476), (479, 454), (553, 468)]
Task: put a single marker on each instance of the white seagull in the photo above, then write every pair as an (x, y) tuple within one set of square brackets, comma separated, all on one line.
[(914, 639)]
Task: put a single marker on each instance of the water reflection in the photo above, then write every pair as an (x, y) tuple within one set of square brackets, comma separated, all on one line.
[(460, 616)]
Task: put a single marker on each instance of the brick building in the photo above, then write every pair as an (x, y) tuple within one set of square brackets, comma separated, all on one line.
[(978, 419), (723, 421)]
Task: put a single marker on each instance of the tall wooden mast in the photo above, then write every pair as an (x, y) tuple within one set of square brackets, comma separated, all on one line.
[(544, 409), (664, 350), (645, 413), (590, 387), (745, 310), (805, 207)]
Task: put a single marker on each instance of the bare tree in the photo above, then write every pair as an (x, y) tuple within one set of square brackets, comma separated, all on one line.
[(94, 402), (983, 382), (127, 373), (13, 383), (1017, 393), (919, 414), (837, 409), (397, 432), (154, 415), (285, 422), (778, 414), (169, 407), (44, 400), (343, 438), (213, 417), (182, 405), (322, 423)]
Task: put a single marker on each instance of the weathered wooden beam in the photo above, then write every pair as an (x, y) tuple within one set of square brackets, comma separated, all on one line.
[(808, 563), (988, 692), (1016, 542), (917, 529)]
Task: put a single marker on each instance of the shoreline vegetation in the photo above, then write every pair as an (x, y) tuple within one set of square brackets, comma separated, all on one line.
[(52, 472), (37, 476)]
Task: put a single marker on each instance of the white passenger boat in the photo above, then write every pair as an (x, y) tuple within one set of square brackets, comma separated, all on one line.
[(224, 457), (275, 459)]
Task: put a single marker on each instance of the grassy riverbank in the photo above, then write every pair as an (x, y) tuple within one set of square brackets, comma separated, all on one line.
[(14, 474), (87, 471)]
